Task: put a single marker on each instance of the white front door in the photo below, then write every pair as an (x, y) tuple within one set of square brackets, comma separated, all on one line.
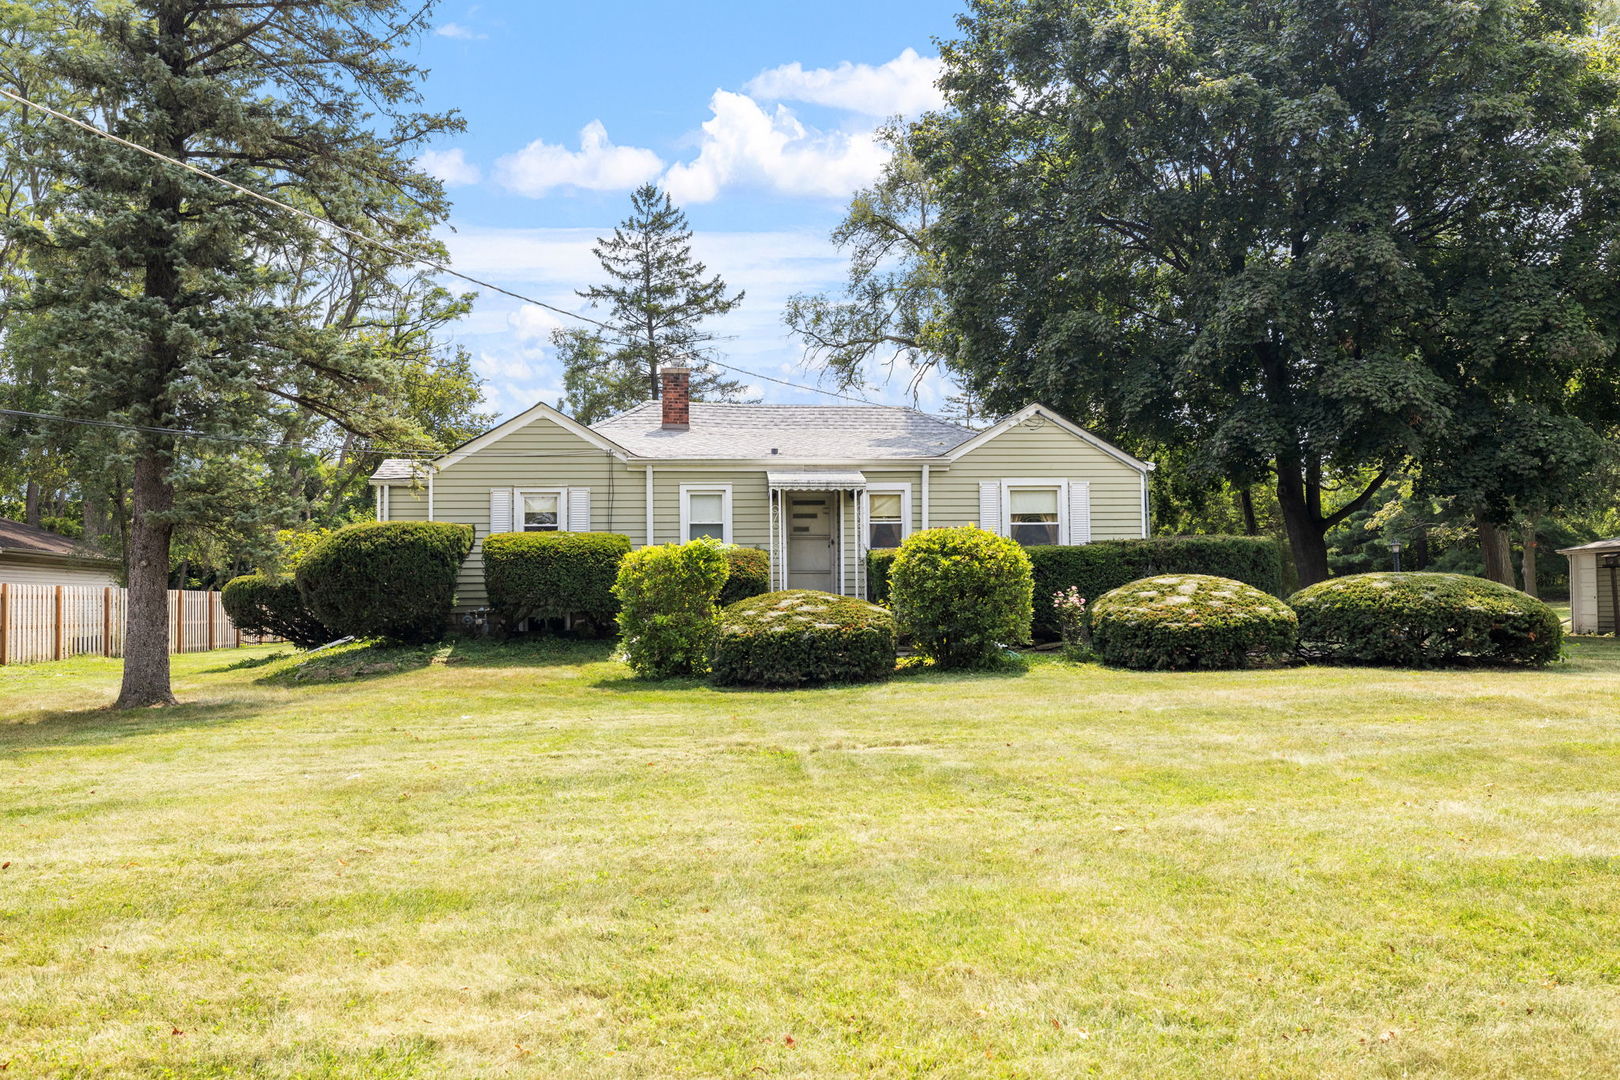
[(812, 544)]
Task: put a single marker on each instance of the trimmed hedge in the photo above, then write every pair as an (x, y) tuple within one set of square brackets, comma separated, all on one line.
[(386, 579), (1107, 564), (667, 613), (1181, 621), (552, 574), (750, 574), (960, 594), (267, 605), (1425, 619), (800, 636)]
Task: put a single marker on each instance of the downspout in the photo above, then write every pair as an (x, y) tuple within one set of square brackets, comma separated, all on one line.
[(1147, 527), (649, 506), (431, 471), (924, 496)]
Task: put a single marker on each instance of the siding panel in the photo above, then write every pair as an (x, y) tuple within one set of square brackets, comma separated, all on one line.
[(1048, 452)]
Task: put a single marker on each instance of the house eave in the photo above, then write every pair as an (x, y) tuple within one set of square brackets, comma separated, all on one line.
[(96, 562)]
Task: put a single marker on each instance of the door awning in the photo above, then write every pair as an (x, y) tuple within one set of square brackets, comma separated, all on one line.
[(816, 480)]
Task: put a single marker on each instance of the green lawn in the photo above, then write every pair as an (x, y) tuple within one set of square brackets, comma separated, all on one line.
[(514, 861)]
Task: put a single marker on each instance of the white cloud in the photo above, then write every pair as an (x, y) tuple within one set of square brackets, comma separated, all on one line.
[(449, 166), (742, 144), (904, 85), (459, 32), (533, 323), (598, 165)]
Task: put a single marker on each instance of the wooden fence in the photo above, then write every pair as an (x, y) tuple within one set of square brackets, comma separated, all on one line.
[(54, 622)]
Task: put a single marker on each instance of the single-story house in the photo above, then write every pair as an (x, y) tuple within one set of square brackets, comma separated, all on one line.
[(816, 486), (1594, 585), (32, 556)]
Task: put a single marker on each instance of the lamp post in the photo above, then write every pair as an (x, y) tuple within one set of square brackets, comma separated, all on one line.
[(1395, 550)]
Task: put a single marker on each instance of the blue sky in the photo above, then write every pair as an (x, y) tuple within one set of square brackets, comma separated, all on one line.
[(755, 116)]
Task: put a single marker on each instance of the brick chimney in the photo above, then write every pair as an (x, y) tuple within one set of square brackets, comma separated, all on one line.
[(676, 398)]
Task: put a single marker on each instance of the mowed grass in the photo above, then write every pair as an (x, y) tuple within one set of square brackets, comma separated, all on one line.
[(515, 861)]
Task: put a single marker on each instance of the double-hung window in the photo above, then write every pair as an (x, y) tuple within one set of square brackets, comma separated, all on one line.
[(888, 512), (706, 511), (1032, 514), (540, 511)]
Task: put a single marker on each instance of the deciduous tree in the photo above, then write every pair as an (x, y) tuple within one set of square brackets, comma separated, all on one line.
[(1285, 235)]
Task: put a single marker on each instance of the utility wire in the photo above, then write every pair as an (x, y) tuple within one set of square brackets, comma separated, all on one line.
[(247, 440), (363, 238)]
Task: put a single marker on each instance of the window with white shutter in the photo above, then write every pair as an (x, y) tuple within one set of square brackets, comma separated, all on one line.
[(1039, 510), (540, 511)]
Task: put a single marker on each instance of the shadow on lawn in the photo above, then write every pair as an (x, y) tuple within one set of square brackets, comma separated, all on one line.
[(362, 662), (85, 727)]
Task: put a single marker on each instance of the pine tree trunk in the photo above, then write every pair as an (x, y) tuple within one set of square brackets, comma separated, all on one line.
[(1528, 563), (1493, 545), (31, 514), (146, 634), (146, 637)]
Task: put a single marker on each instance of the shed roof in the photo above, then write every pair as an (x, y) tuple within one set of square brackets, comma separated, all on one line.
[(792, 432), (17, 537), (1595, 545)]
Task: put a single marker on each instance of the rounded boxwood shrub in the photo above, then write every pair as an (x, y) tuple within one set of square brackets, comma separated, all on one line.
[(552, 574), (1424, 619), (266, 605), (750, 574), (1180, 621), (800, 636), (667, 612), (960, 594), (386, 579)]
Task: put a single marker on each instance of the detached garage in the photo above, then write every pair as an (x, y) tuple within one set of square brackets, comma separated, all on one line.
[(1594, 586), (31, 556)]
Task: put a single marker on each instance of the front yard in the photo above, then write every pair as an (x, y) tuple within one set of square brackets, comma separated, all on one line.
[(505, 861)]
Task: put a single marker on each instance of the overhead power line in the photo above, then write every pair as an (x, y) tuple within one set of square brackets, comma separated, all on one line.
[(273, 444), (374, 241)]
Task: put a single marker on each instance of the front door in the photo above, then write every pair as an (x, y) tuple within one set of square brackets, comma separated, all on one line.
[(811, 542)]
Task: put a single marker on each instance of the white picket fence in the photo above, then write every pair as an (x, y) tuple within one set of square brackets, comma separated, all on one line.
[(54, 622)]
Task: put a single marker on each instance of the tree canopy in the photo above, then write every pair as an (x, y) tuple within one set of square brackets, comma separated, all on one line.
[(1308, 241)]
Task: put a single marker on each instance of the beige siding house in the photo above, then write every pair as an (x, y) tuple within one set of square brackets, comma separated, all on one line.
[(33, 556), (815, 486)]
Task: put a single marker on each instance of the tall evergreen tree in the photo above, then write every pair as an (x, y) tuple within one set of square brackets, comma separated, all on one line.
[(165, 300), (658, 297)]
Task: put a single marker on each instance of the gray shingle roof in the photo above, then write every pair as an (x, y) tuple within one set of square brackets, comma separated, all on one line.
[(393, 469), (30, 540), (796, 432)]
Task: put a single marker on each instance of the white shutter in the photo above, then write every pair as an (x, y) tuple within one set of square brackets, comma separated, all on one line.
[(500, 510), (1080, 511), (579, 509), (990, 506)]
